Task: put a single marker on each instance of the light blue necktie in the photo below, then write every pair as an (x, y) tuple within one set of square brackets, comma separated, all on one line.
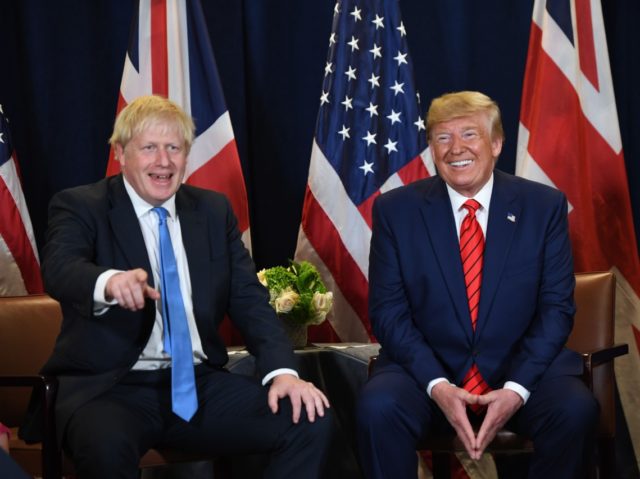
[(177, 341)]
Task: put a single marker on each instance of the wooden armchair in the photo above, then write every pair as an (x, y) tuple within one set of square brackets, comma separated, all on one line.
[(29, 326), (593, 337)]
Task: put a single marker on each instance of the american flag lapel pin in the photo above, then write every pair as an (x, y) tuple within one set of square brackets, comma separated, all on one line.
[(511, 217)]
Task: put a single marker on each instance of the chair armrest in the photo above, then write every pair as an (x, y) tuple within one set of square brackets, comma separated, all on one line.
[(28, 381), (372, 362), (597, 357), (604, 355), (45, 389)]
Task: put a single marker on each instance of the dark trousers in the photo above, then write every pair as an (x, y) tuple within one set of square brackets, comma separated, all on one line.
[(9, 469), (106, 437), (394, 414)]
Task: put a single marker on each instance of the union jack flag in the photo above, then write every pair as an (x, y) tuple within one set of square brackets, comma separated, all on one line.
[(19, 263), (170, 54), (569, 138), (370, 138)]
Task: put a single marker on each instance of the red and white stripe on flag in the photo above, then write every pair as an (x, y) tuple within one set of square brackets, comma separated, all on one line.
[(569, 138), (19, 263), (334, 235), (159, 61)]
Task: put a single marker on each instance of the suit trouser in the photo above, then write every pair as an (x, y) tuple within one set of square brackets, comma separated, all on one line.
[(394, 414), (106, 436), (9, 469)]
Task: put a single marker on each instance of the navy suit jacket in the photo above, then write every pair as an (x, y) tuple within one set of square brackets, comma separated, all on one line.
[(94, 228), (417, 297)]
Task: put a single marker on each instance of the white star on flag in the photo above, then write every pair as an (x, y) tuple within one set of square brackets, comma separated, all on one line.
[(374, 80), (378, 22), (344, 132), (391, 145), (397, 87), (400, 58), (370, 138), (394, 117), (367, 167)]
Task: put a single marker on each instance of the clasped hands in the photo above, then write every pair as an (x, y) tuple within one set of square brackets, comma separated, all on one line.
[(501, 405)]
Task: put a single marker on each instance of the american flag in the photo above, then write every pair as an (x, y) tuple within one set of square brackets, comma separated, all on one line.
[(170, 54), (19, 263), (370, 138), (569, 138)]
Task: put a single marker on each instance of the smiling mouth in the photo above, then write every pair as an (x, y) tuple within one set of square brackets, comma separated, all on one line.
[(161, 177), (460, 163)]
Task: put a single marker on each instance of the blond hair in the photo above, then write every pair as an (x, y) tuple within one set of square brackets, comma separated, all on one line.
[(464, 103), (146, 111)]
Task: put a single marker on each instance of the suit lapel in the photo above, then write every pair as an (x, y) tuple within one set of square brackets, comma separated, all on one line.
[(196, 244), (504, 212), (439, 222), (126, 228)]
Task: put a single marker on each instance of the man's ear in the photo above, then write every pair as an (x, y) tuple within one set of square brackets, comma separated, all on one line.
[(118, 153), (496, 147)]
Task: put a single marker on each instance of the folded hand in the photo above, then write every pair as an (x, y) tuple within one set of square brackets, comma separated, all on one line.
[(453, 402), (501, 404)]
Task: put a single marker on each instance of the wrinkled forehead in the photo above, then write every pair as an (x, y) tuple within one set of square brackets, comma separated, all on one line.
[(159, 125), (478, 120)]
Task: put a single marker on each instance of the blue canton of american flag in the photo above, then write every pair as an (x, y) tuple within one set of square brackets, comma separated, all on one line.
[(370, 138), (369, 124)]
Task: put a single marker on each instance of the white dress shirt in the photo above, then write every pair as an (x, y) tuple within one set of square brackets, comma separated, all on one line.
[(482, 215), (153, 355)]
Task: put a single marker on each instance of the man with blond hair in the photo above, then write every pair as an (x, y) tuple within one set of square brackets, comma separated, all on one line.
[(471, 298), (145, 269)]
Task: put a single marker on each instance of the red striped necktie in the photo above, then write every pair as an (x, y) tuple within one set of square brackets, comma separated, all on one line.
[(471, 253)]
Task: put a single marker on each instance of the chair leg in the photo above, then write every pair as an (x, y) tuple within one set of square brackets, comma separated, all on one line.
[(441, 465), (51, 463), (607, 461), (222, 468)]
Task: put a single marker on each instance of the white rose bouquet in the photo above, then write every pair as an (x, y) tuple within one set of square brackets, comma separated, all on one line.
[(298, 292)]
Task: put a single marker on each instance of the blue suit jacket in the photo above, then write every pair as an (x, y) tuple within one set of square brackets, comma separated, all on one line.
[(417, 297)]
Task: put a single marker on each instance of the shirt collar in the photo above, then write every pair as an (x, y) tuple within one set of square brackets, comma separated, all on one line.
[(483, 196), (141, 207)]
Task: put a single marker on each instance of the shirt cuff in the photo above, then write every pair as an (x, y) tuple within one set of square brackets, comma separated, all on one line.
[(435, 381), (518, 389), (278, 372), (100, 304)]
